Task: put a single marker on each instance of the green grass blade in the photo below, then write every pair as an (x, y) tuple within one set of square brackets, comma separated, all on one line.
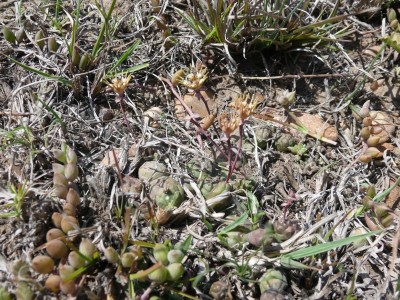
[(60, 79), (125, 55), (321, 248), (381, 196), (127, 71), (239, 221)]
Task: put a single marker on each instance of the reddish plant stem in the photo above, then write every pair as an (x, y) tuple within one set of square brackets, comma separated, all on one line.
[(192, 117), (232, 166)]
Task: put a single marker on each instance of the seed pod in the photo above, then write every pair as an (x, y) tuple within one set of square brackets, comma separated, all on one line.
[(69, 223), (59, 179), (111, 255), (20, 35), (160, 275), (394, 24), (76, 57), (367, 121), (175, 271), (53, 283), (175, 256), (9, 35), (84, 62), (75, 260), (71, 171), (60, 191), (52, 45), (87, 248), (373, 141), (39, 39), (53, 234), (127, 259), (73, 197), (66, 272), (160, 253), (56, 218), (365, 133), (56, 249), (69, 209), (177, 77), (42, 264), (68, 287)]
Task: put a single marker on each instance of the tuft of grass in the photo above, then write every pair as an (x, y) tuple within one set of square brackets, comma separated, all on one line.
[(246, 25)]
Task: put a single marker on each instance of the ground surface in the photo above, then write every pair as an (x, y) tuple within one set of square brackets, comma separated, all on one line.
[(317, 195)]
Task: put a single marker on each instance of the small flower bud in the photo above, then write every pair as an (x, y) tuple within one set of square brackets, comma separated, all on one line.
[(127, 259), (175, 256)]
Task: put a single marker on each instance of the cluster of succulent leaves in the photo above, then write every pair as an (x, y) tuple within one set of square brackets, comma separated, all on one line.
[(377, 215)]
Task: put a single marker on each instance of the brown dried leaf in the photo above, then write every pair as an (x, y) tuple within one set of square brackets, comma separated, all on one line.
[(315, 124)]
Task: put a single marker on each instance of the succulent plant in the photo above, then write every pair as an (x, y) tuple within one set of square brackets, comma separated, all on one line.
[(217, 189), (20, 34), (87, 248), (167, 193), (54, 233), (159, 275), (56, 218), (39, 39), (283, 143), (111, 255), (75, 260), (68, 287), (52, 45), (220, 290), (261, 236), (52, 283), (272, 295), (57, 249), (273, 280), (285, 229), (69, 223), (175, 271), (127, 259), (175, 256), (42, 264), (160, 253), (152, 170), (9, 36), (66, 272), (71, 171)]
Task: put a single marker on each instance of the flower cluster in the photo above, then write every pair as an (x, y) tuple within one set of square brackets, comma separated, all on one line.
[(194, 80), (119, 84), (244, 105)]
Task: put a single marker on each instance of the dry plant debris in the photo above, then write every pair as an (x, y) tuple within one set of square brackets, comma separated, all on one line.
[(199, 150)]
